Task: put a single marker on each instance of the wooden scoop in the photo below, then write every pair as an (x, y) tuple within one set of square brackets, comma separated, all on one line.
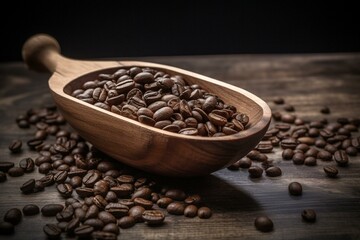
[(136, 144)]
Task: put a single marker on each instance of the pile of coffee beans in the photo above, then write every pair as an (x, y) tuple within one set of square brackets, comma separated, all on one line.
[(303, 143), (168, 102), (100, 195)]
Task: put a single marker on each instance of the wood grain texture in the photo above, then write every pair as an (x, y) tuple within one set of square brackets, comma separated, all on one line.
[(306, 81), (147, 148)]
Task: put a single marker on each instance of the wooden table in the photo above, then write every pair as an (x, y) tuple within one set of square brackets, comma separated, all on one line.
[(306, 81)]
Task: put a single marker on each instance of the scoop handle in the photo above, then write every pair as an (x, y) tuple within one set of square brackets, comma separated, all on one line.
[(41, 52)]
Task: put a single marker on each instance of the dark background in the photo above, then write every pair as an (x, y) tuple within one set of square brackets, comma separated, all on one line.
[(105, 29)]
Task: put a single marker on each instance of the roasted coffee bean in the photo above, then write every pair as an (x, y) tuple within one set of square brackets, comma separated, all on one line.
[(96, 223), (15, 172), (60, 176), (5, 166), (51, 209), (117, 209), (147, 204), (273, 172), (289, 143), (194, 199), (13, 216), (176, 208), (288, 118), (142, 193), (45, 168), (65, 189), (341, 158), (312, 152), (295, 188), (298, 158), (289, 108), (106, 217), (30, 209), (310, 161), (136, 212), (153, 217), (91, 178), (52, 231), (15, 146), (279, 100), (264, 224), (126, 222), (124, 190), (92, 212), (6, 228), (324, 155), (164, 202), (64, 216), (204, 212), (72, 225), (84, 231), (111, 228), (100, 201), (309, 215), (331, 172), (351, 151), (101, 187), (190, 211), (111, 197), (2, 177), (255, 172), (265, 147), (27, 164), (28, 186), (33, 143), (287, 154), (176, 194)]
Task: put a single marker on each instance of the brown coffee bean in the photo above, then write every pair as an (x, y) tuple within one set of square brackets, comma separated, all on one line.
[(30, 209), (111, 228), (279, 100), (13, 216), (273, 172), (117, 209), (351, 151), (60, 176), (51, 209), (84, 192), (96, 223), (15, 146), (153, 217), (295, 188), (287, 154), (5, 166), (190, 211), (15, 172), (52, 231), (264, 224), (83, 231), (204, 212), (288, 118), (289, 143), (331, 172), (176, 208), (164, 202), (136, 212), (106, 217), (65, 189), (176, 194), (298, 158), (324, 155), (28, 186), (64, 216), (341, 158), (255, 172), (310, 161), (309, 215), (126, 222)]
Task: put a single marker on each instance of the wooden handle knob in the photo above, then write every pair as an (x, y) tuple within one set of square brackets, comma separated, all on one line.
[(41, 52)]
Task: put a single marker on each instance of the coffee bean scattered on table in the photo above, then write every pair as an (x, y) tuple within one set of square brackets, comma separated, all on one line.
[(295, 189), (309, 215), (264, 224)]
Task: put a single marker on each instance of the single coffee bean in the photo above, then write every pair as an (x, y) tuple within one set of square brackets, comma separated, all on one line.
[(309, 215), (15, 172), (255, 172), (15, 146), (204, 212), (273, 172), (28, 186), (27, 164), (100, 201), (65, 189), (96, 223), (194, 199), (101, 187), (51, 209), (142, 193), (190, 211), (45, 168), (164, 202), (153, 217), (5, 166), (288, 118), (176, 194), (295, 188), (298, 158), (324, 155), (331, 172), (60, 176), (91, 178), (106, 217), (111, 228), (52, 231), (341, 158), (351, 151), (13, 216), (6, 228), (92, 212), (287, 154), (147, 204), (64, 216), (310, 161), (176, 208), (2, 177), (72, 225), (279, 100), (289, 108), (289, 143), (84, 231), (84, 192), (126, 222), (264, 224), (30, 209)]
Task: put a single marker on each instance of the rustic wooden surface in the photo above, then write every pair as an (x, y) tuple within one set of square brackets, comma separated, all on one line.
[(306, 81)]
